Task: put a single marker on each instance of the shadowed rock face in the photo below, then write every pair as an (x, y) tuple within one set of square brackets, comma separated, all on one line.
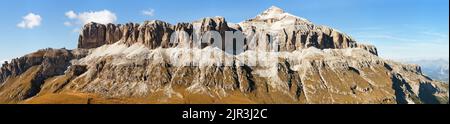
[(23, 77), (136, 63), (49, 58)]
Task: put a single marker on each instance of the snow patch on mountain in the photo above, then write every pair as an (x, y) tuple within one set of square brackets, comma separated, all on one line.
[(279, 14), (275, 20)]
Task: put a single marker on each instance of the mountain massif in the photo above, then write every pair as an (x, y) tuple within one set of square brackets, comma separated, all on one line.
[(295, 61)]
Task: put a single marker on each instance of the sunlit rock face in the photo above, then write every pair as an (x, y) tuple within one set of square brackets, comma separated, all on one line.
[(284, 59), (286, 31)]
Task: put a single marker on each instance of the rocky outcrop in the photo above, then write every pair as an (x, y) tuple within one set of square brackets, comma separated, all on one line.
[(285, 32), (294, 33), (23, 77), (46, 57), (93, 35), (151, 33)]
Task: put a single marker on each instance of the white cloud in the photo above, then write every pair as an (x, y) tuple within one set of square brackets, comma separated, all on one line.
[(30, 21), (102, 17), (149, 12), (67, 23), (71, 15)]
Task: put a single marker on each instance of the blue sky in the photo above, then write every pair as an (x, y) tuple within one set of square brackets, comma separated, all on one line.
[(401, 29)]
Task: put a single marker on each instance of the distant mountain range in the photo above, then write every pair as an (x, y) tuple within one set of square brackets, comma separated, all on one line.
[(436, 69)]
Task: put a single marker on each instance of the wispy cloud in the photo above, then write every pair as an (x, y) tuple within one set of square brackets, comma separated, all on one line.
[(373, 28), (435, 34), (385, 36), (148, 12), (414, 51), (67, 23), (406, 42), (71, 14), (103, 17), (30, 21)]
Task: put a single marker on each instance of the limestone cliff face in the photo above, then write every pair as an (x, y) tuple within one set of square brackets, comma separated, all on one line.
[(153, 34), (137, 63), (289, 32)]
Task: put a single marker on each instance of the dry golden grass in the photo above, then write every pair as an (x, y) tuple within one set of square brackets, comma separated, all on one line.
[(14, 89)]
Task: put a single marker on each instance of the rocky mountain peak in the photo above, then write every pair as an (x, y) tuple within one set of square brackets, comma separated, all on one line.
[(275, 14), (273, 10)]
